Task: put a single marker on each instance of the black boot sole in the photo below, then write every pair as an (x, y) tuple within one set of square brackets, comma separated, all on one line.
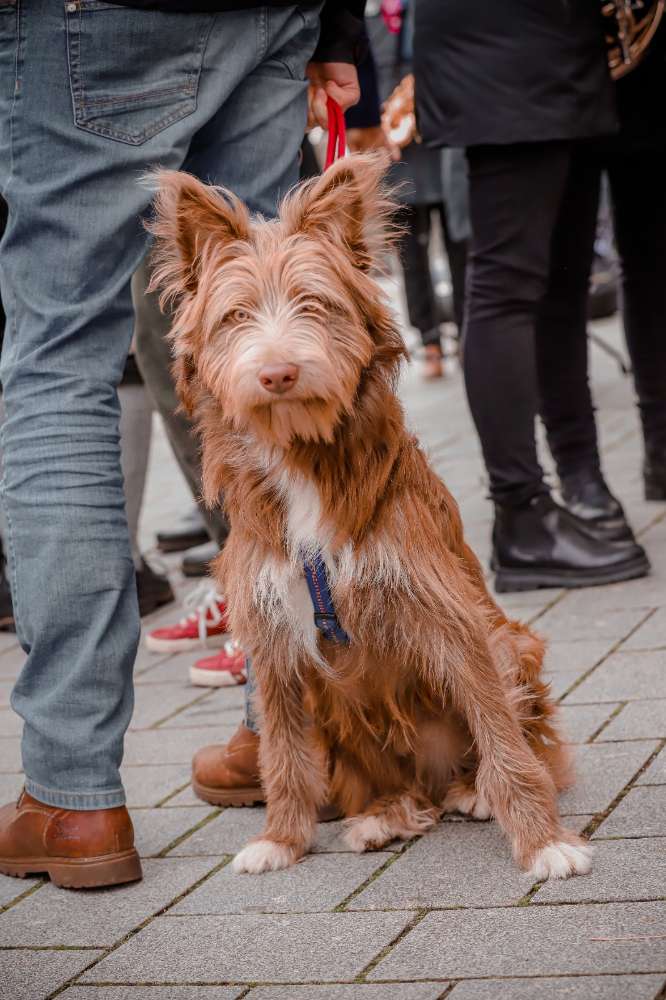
[(508, 581), (655, 489)]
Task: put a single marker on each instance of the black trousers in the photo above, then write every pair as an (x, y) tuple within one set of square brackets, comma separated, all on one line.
[(533, 209), (422, 305), (638, 196)]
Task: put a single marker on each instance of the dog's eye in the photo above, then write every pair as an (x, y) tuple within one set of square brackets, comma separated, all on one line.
[(239, 316)]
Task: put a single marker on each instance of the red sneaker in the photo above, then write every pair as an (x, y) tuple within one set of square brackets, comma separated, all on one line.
[(226, 668), (205, 625)]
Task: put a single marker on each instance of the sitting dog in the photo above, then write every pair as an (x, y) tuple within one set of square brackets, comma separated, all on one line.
[(391, 684)]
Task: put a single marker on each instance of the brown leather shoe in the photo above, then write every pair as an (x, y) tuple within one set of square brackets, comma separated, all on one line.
[(433, 364), (227, 774), (76, 848)]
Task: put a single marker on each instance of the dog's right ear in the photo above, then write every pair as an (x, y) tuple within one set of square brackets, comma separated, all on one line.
[(190, 220)]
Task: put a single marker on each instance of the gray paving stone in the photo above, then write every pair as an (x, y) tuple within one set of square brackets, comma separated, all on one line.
[(185, 798), (638, 720), (5, 691), (33, 975), (153, 992), (10, 786), (10, 888), (152, 746), (603, 769), (277, 948), (357, 991), (624, 677), (656, 772), (565, 988), (10, 755), (580, 722), (149, 785), (579, 656), (567, 620), (529, 941), (8, 640), (641, 813), (11, 663), (318, 883), (155, 702), (214, 712), (457, 864), (651, 635), (11, 724), (51, 917), (155, 829), (561, 681), (622, 870)]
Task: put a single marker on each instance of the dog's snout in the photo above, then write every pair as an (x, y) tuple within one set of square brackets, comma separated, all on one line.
[(278, 378)]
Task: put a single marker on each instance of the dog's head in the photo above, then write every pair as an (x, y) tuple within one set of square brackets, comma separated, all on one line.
[(277, 320)]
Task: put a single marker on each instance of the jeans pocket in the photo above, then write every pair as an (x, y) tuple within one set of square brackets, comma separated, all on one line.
[(133, 72)]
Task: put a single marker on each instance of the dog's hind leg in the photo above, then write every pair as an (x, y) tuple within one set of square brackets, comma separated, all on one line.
[(293, 771), (396, 817), (462, 797)]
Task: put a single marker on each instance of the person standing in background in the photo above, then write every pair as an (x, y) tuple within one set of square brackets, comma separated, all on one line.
[(523, 87), (635, 162)]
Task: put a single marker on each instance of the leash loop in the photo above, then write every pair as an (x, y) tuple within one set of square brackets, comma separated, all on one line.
[(337, 144)]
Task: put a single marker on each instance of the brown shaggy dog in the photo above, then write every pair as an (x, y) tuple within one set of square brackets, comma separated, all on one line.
[(289, 356)]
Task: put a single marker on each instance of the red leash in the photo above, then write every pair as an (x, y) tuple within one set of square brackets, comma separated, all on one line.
[(336, 132)]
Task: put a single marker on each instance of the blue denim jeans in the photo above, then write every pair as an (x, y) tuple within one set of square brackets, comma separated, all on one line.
[(91, 95)]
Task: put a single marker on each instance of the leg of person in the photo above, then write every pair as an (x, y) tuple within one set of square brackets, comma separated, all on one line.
[(456, 251), (515, 198), (136, 423), (639, 208), (562, 357), (415, 260), (78, 126), (153, 353)]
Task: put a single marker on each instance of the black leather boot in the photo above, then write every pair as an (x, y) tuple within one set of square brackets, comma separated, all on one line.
[(153, 589), (654, 475), (586, 495), (540, 544)]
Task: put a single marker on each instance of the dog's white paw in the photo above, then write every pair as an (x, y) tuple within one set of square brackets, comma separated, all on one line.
[(466, 801), (262, 856), (561, 860), (367, 833)]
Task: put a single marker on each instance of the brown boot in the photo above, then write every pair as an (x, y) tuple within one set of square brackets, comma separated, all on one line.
[(227, 774), (76, 848), (433, 365)]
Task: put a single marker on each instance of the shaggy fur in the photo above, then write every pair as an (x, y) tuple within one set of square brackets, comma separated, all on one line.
[(438, 703)]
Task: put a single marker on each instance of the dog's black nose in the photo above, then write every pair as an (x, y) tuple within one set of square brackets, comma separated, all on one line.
[(278, 378)]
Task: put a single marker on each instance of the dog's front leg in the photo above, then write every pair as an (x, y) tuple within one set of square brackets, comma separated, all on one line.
[(292, 769), (510, 778)]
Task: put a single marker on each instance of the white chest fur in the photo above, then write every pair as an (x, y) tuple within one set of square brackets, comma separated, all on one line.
[(281, 591)]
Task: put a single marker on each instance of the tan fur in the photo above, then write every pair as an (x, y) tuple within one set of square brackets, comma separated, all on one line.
[(437, 690)]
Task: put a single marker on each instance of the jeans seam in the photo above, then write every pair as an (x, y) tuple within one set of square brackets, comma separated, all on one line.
[(113, 793)]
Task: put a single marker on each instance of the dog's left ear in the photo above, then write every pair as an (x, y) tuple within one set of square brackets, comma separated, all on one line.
[(348, 205), (190, 219)]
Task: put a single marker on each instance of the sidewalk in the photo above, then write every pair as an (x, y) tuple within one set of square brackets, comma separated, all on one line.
[(448, 915)]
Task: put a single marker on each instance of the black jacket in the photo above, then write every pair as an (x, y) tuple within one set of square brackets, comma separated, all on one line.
[(342, 35), (508, 71)]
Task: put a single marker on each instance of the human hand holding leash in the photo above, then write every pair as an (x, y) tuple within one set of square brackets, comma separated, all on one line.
[(330, 79)]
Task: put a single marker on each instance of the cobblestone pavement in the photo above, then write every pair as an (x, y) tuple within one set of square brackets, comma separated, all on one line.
[(444, 915)]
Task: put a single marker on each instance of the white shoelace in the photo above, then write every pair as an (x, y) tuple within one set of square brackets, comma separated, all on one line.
[(205, 602), (232, 647)]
